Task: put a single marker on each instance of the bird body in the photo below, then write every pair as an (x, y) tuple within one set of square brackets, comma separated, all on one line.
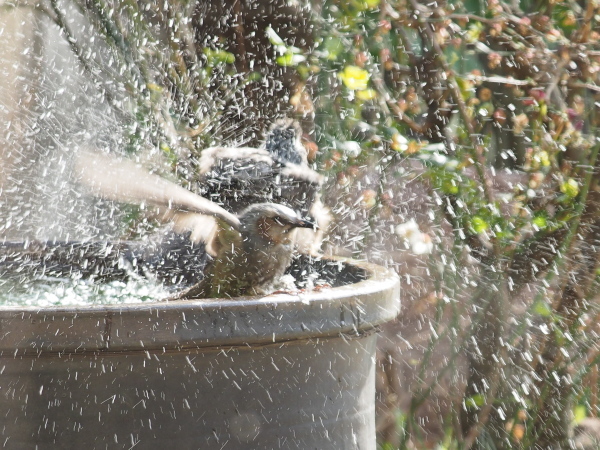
[(250, 260)]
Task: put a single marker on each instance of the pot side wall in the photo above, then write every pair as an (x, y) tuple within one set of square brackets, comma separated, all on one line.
[(308, 394)]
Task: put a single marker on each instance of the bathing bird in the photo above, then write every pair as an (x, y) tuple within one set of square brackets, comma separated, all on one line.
[(249, 251), (249, 260)]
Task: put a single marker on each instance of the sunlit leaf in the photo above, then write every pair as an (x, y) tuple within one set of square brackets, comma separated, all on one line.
[(399, 142), (542, 308), (446, 181), (479, 225), (215, 57), (289, 55), (290, 59), (465, 86), (540, 221), (273, 37), (366, 94), (474, 31), (371, 4), (570, 188), (354, 77), (154, 87), (579, 413), (541, 158)]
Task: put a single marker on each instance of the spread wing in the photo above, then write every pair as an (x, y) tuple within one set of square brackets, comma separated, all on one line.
[(124, 181)]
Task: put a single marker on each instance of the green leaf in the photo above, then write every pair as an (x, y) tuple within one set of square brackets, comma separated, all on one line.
[(387, 446), (290, 59), (354, 78), (540, 221), (474, 6), (479, 225), (372, 4), (332, 47), (570, 188), (254, 76), (215, 57), (474, 31), (475, 401), (449, 187), (273, 37), (542, 308), (289, 55)]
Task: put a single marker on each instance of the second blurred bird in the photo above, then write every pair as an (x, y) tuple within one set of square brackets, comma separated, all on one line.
[(277, 172)]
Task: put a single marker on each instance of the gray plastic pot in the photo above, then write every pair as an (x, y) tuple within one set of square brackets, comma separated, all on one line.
[(283, 371)]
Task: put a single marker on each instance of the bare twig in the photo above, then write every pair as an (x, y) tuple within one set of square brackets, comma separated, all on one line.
[(499, 80), (479, 151)]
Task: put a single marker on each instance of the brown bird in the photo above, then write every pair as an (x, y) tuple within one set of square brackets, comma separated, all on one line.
[(251, 259), (250, 251)]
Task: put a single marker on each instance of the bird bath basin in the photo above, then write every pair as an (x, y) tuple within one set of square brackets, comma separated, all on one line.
[(281, 371)]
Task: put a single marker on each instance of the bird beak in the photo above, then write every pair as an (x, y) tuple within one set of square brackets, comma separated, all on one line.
[(301, 223)]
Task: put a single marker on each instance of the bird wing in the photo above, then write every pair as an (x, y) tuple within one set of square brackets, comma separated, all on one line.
[(240, 177), (123, 180), (201, 228), (214, 156)]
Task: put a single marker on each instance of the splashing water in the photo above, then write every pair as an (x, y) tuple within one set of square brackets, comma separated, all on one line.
[(46, 292)]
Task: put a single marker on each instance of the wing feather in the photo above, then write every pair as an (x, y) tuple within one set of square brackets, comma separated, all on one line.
[(122, 180)]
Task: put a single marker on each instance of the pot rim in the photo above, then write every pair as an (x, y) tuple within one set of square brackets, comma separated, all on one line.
[(352, 308)]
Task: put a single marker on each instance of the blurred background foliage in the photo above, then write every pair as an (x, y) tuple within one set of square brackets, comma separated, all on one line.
[(460, 144), (494, 103)]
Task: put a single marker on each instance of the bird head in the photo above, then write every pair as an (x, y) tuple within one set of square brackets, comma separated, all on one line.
[(283, 142), (271, 222)]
